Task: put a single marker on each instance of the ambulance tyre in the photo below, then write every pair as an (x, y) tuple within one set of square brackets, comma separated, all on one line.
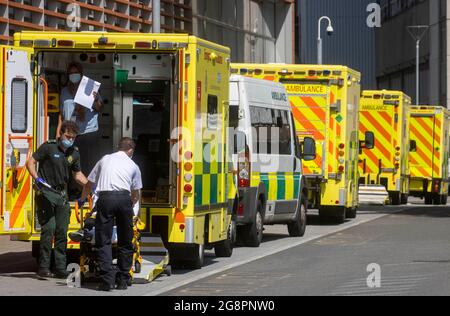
[(333, 215), (298, 228), (404, 199), (350, 213), (428, 199), (444, 199), (437, 199), (224, 249), (196, 257), (395, 198), (254, 232)]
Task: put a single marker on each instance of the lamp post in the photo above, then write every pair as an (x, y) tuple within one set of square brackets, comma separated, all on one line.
[(330, 31), (418, 32)]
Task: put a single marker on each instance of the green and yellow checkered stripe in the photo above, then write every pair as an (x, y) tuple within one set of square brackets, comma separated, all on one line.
[(209, 179), (280, 185)]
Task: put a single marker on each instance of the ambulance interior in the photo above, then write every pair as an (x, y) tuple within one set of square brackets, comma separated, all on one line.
[(139, 95)]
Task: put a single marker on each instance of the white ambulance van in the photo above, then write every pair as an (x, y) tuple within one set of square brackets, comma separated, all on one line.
[(267, 159)]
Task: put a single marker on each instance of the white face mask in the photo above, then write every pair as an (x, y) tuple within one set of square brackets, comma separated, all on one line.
[(75, 78)]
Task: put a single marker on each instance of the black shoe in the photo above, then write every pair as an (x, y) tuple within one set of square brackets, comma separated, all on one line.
[(104, 287), (77, 236), (45, 274), (62, 275), (122, 286)]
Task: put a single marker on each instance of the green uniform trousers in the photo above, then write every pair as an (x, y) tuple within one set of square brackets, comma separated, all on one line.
[(53, 211)]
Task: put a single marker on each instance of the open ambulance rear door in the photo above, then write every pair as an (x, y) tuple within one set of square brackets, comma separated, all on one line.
[(17, 140)]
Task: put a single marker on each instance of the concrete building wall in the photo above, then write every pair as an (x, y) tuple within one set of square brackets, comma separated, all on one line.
[(353, 42), (256, 30)]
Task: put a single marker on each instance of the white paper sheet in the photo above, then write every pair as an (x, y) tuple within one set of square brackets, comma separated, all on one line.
[(85, 93)]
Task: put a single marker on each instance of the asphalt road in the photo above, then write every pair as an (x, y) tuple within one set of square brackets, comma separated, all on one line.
[(410, 244)]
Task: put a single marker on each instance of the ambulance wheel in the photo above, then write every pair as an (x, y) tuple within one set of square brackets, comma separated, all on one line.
[(404, 199), (428, 199), (196, 257), (437, 199), (335, 215), (350, 213), (298, 228), (224, 249), (254, 232), (444, 200), (395, 198)]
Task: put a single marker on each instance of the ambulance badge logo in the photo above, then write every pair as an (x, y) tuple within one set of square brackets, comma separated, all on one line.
[(339, 119)]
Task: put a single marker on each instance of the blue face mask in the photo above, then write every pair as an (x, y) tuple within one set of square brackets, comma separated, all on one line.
[(75, 78), (66, 144)]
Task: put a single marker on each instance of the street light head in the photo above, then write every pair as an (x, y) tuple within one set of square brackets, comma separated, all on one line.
[(330, 30)]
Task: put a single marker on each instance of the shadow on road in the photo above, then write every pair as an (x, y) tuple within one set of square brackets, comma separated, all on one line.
[(430, 211), (17, 262)]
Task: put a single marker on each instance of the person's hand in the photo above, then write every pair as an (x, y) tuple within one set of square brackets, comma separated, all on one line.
[(95, 95), (41, 183), (81, 203)]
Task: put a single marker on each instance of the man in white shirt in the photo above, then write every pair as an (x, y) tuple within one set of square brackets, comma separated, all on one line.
[(118, 183)]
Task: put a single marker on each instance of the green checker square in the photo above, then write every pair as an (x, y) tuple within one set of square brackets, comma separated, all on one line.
[(214, 185)]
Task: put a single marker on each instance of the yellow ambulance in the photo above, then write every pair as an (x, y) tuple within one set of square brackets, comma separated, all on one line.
[(386, 115), (324, 101), (168, 92), (429, 153)]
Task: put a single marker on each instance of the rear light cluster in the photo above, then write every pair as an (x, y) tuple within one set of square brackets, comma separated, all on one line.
[(244, 171), (436, 186), (397, 157), (188, 166), (341, 161)]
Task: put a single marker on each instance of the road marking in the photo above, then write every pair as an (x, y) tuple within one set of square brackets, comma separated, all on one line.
[(189, 280)]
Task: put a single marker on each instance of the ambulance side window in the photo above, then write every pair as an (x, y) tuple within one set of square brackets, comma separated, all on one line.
[(285, 133), (212, 111), (19, 97)]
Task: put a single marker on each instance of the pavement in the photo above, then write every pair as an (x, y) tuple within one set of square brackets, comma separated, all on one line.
[(408, 243)]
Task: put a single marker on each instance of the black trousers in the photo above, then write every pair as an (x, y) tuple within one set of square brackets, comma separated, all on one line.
[(119, 207)]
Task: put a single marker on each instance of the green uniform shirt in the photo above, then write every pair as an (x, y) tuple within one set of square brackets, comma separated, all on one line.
[(55, 164)]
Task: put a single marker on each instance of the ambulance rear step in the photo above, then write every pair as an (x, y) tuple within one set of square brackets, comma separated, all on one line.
[(373, 195)]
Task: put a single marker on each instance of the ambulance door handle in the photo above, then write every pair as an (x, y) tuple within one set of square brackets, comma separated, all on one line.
[(128, 123)]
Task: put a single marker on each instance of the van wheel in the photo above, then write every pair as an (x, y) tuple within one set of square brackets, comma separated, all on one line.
[(196, 257), (298, 228), (224, 249), (254, 232)]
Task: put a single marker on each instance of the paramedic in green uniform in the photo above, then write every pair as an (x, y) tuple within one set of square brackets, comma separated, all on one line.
[(56, 159)]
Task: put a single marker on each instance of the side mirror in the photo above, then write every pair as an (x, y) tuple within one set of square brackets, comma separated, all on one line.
[(309, 149), (369, 141), (413, 146), (240, 142)]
